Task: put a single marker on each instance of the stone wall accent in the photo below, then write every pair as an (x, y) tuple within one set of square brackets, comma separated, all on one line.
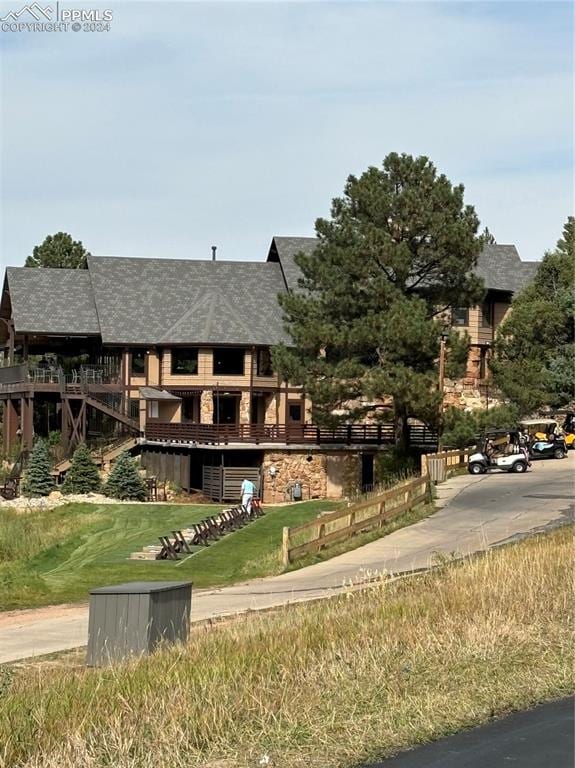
[(245, 408), (328, 475), (271, 406), (206, 407), (293, 466), (469, 396)]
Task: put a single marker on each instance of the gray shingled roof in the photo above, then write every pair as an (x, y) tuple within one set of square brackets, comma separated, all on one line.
[(499, 265), (151, 393), (55, 301), (169, 301), (285, 249), (502, 269)]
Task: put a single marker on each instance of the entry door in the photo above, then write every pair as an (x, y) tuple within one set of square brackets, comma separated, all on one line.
[(226, 409), (367, 473)]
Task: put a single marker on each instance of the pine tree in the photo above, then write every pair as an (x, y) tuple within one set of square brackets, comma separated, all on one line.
[(83, 475), (398, 251), (37, 478), (124, 481), (534, 358), (59, 251)]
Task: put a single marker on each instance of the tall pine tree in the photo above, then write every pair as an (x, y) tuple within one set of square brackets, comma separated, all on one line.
[(37, 479), (83, 475), (366, 323)]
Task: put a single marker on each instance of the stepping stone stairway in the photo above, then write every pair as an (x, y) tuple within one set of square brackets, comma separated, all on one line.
[(189, 540)]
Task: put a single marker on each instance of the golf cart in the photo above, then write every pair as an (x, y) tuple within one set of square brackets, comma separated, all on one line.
[(546, 439), (569, 430), (502, 449)]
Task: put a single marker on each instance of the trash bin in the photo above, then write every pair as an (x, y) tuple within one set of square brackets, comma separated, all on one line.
[(437, 470), (296, 492), (130, 619)]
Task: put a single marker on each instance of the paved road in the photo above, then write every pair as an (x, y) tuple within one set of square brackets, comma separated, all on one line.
[(539, 738), (476, 513)]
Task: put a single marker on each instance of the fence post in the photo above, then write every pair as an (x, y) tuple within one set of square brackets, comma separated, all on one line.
[(285, 546), (381, 512), (424, 470), (320, 535)]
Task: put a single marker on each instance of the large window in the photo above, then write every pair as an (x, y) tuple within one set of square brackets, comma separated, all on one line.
[(228, 362), (486, 312), (294, 411), (184, 361), (460, 316), (264, 362), (138, 362)]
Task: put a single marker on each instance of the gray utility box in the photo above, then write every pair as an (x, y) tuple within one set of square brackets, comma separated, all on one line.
[(131, 619)]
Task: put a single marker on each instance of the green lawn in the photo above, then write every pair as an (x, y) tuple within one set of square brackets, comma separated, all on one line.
[(58, 556)]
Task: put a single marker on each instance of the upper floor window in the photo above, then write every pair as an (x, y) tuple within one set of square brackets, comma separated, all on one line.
[(228, 361), (264, 362), (138, 362), (460, 316), (185, 361), (486, 320)]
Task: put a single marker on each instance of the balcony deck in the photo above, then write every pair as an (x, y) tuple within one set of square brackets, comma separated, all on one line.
[(294, 434)]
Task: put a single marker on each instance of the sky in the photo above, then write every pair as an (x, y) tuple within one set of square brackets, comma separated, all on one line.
[(192, 124)]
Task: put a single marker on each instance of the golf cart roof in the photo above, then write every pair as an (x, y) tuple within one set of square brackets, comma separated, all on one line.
[(535, 422), (500, 432)]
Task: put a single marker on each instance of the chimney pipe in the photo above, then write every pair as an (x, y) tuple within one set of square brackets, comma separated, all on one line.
[(214, 249)]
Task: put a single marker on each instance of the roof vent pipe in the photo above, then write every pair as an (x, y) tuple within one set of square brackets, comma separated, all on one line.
[(214, 249)]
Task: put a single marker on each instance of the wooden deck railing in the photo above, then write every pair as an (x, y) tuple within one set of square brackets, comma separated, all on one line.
[(364, 516), (294, 434)]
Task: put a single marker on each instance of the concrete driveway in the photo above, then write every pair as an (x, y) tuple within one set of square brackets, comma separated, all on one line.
[(475, 513)]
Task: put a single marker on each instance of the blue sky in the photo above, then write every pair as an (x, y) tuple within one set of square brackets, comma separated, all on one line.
[(191, 124)]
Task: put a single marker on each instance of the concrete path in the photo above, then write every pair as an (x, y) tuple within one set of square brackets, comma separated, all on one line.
[(474, 513), (539, 737)]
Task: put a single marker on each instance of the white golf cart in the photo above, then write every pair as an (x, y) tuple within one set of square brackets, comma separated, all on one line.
[(500, 449)]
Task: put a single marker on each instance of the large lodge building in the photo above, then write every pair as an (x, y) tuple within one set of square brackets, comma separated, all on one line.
[(172, 358)]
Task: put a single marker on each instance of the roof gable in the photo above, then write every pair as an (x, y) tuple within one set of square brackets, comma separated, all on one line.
[(284, 250), (52, 301), (178, 301)]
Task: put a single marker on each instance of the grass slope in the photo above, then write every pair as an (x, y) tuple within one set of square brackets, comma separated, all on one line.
[(335, 683), (59, 555)]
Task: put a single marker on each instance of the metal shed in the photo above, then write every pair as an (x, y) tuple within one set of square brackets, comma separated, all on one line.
[(131, 619)]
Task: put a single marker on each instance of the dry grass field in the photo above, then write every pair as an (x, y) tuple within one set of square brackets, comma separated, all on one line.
[(334, 683)]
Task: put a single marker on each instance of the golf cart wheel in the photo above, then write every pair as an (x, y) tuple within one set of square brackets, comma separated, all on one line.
[(559, 453), (520, 466), (476, 468)]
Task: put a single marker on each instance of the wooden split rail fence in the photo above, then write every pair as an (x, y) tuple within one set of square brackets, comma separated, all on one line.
[(362, 516)]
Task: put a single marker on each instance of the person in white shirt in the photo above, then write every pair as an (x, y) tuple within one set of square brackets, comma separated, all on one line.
[(248, 492)]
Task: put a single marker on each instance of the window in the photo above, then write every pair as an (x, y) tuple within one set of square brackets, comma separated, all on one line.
[(228, 362), (486, 314), (264, 362), (153, 409), (460, 316), (138, 362), (294, 413), (184, 361)]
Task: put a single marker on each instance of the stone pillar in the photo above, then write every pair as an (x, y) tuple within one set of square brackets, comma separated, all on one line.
[(207, 407), (270, 409), (245, 408)]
